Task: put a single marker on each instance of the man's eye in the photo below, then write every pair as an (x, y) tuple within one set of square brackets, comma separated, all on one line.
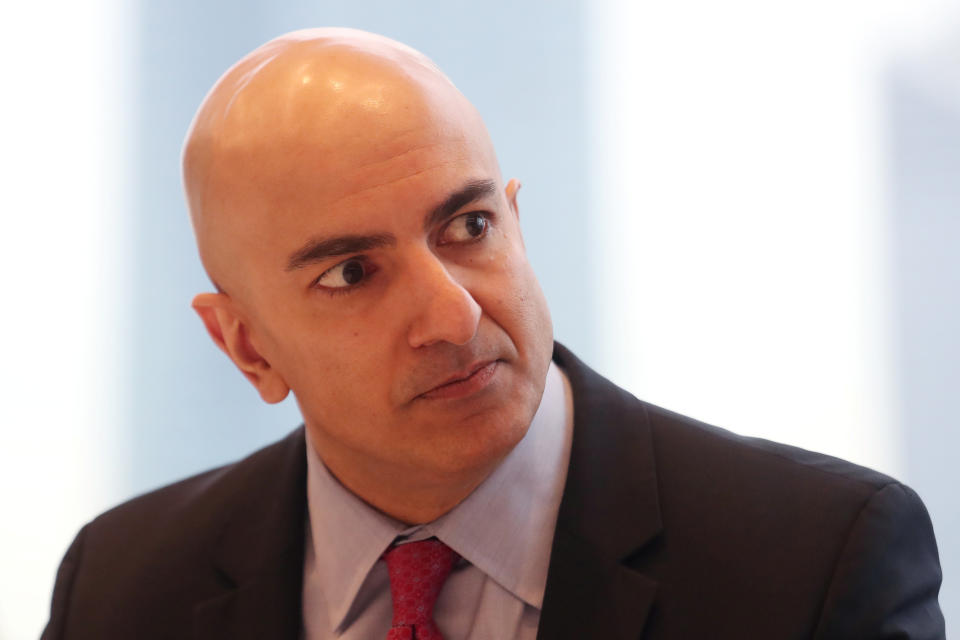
[(464, 228), (348, 273)]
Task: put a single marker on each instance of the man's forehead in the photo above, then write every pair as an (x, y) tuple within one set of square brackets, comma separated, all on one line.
[(306, 178), (383, 200)]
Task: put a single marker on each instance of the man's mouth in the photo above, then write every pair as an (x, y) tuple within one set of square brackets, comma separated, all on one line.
[(473, 379)]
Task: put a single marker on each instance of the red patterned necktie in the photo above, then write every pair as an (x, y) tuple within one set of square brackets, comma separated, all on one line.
[(417, 573)]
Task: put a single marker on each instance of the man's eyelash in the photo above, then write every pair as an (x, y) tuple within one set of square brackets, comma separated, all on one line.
[(488, 218), (337, 291)]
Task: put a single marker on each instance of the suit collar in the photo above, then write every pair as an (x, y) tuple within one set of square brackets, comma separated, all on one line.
[(258, 552), (610, 510)]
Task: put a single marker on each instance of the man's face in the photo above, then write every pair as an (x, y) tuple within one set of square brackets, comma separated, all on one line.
[(385, 280)]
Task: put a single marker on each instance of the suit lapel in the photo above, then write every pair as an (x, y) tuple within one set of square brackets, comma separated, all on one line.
[(258, 554), (609, 512)]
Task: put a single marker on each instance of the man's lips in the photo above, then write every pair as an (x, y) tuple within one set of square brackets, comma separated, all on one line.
[(472, 379)]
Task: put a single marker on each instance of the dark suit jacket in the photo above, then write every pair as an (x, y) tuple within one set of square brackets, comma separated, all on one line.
[(668, 528)]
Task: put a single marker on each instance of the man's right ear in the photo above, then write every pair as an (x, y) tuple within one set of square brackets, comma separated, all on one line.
[(230, 333)]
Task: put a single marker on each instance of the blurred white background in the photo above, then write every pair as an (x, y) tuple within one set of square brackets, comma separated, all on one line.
[(746, 212)]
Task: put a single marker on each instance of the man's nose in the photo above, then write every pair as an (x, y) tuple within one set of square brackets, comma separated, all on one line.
[(443, 309)]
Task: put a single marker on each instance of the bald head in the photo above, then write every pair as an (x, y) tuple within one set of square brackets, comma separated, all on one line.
[(316, 114), (348, 203)]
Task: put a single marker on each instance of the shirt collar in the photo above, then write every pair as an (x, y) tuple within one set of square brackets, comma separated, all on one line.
[(504, 528)]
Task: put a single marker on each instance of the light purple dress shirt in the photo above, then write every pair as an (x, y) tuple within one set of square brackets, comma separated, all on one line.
[(502, 531)]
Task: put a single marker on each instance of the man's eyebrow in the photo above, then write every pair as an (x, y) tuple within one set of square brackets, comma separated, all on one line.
[(319, 249), (473, 190)]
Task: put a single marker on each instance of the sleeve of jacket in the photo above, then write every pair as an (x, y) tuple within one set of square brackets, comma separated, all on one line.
[(886, 581), (59, 607)]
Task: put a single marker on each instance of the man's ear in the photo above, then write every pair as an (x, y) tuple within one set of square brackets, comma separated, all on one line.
[(229, 332), (511, 191), (512, 188)]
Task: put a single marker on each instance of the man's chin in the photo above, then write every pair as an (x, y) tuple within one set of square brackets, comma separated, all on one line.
[(475, 446)]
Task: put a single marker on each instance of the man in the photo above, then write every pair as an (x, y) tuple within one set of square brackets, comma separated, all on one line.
[(452, 479)]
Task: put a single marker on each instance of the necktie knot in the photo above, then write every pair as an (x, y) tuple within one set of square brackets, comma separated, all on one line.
[(417, 573)]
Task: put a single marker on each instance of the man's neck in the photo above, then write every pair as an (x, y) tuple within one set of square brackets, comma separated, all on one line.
[(417, 503)]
